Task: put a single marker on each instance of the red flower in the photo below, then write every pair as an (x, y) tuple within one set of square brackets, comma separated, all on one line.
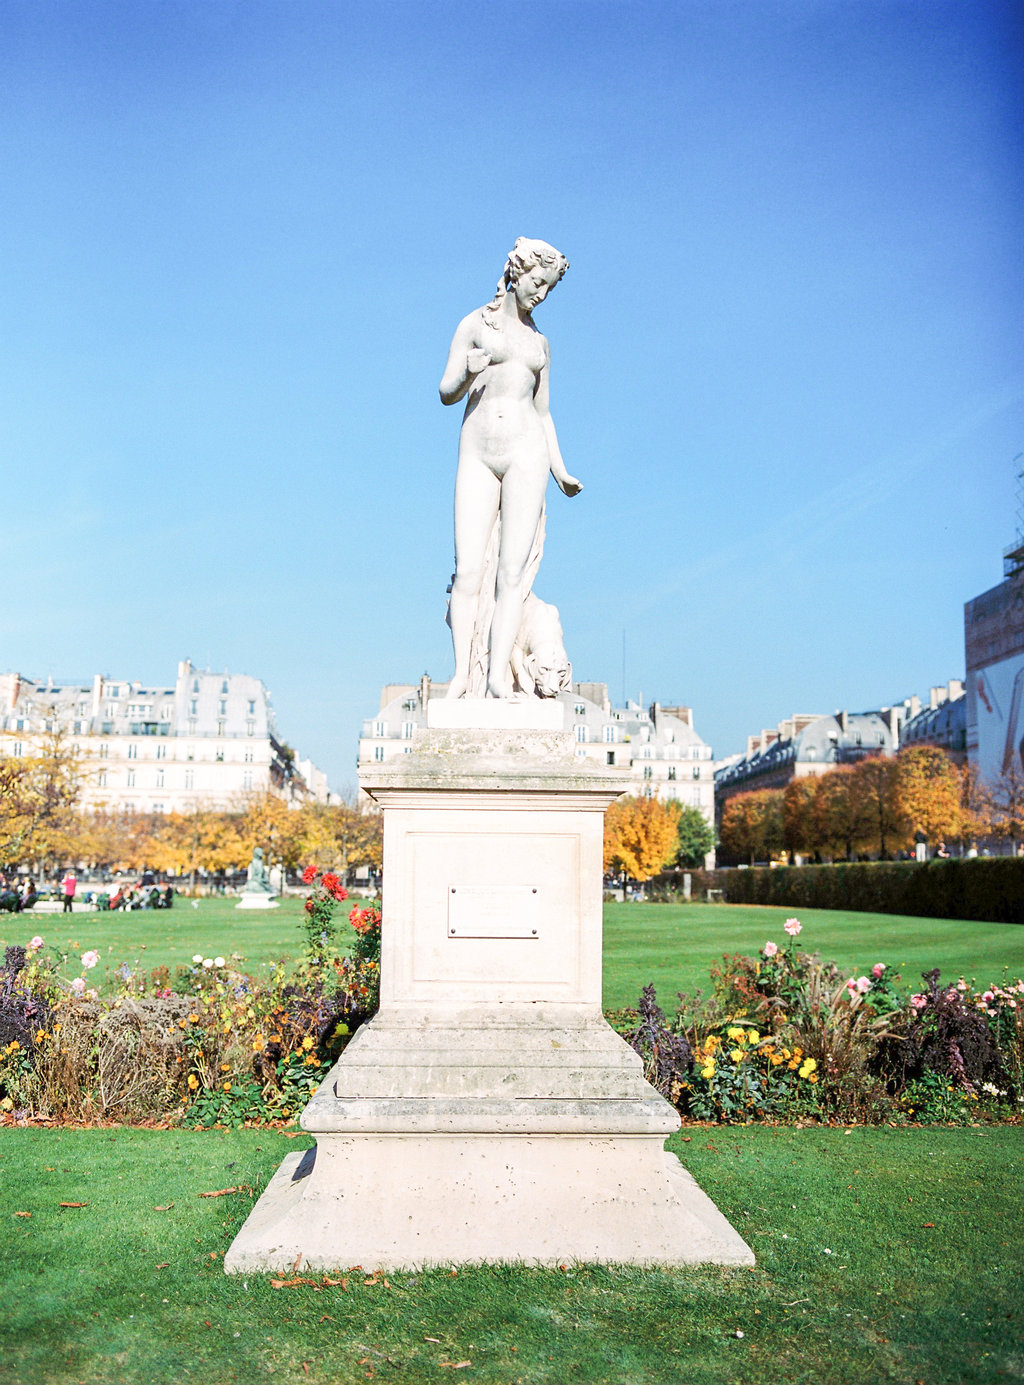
[(309, 875), (333, 886), (309, 906)]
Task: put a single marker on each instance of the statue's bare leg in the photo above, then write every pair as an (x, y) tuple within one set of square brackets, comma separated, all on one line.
[(477, 495), (522, 498)]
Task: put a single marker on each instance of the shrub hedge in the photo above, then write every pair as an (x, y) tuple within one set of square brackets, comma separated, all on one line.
[(981, 887)]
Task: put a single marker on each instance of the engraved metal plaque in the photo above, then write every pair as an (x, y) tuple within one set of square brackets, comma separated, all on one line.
[(493, 911)]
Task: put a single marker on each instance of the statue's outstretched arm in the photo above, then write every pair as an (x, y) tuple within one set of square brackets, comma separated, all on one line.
[(563, 480)]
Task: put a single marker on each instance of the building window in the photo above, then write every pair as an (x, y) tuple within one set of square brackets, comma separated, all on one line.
[(609, 756), (219, 757), (648, 772), (158, 807), (193, 707), (250, 728), (671, 771), (378, 752), (220, 728), (407, 727), (159, 778), (101, 779), (608, 733), (133, 751), (190, 779), (192, 726), (222, 708), (111, 710), (166, 711), (247, 757), (695, 752), (161, 752), (695, 797), (648, 753), (131, 779), (252, 706), (378, 728), (696, 771), (104, 749), (224, 686), (247, 779), (115, 691), (17, 748), (580, 709), (195, 685), (581, 733)]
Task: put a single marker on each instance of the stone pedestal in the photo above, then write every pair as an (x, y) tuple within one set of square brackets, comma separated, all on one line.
[(256, 901), (488, 1112)]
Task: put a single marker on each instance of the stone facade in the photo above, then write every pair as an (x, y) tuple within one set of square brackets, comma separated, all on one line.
[(664, 755), (210, 739)]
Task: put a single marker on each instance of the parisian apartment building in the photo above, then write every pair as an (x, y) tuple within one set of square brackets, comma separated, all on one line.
[(665, 756), (210, 739)]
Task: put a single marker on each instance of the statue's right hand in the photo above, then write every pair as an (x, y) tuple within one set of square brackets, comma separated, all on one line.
[(477, 360)]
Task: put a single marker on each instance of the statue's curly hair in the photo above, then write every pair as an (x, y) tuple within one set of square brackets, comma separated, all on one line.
[(524, 255)]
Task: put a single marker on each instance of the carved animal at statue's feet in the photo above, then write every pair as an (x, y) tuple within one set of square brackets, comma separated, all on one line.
[(540, 664)]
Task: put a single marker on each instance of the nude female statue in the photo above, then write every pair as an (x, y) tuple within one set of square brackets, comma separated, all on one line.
[(507, 447)]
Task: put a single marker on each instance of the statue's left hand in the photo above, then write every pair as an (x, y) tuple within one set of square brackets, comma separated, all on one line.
[(569, 484)]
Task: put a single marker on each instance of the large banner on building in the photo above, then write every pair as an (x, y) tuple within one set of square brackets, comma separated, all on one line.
[(998, 695)]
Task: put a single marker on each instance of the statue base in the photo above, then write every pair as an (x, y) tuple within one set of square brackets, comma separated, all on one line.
[(488, 1112), (257, 901)]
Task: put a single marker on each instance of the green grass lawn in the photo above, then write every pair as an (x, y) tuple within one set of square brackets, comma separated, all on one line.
[(882, 1256), (671, 945)]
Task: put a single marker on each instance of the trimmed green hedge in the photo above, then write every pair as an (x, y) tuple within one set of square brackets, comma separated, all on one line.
[(981, 887)]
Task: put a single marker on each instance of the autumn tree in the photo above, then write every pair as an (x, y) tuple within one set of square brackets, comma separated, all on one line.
[(641, 836), (928, 792), (838, 827), (798, 829), (875, 802), (340, 837), (695, 837), (38, 797), (751, 825), (267, 821)]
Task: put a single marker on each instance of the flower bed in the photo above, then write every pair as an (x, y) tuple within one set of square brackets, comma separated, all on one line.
[(784, 1036), (206, 1046)]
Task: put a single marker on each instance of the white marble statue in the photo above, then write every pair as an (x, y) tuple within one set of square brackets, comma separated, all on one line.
[(499, 363)]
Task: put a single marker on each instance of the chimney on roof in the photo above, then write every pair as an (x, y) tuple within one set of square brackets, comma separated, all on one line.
[(843, 719), (424, 691)]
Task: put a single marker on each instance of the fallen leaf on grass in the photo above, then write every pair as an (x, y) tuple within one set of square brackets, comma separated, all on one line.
[(23, 1214), (221, 1192), (72, 1204), (927, 1224), (455, 1365), (165, 1266), (165, 1208), (325, 1317), (433, 1339)]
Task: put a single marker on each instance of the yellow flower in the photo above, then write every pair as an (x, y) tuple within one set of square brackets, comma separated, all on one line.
[(225, 1067), (807, 1069), (193, 1081), (708, 1070), (307, 1043), (734, 1032), (275, 1038), (793, 1064), (193, 1019), (40, 1035), (736, 1055), (227, 1086), (810, 1064), (813, 1077), (786, 1053), (310, 1062), (774, 1059), (753, 1037), (257, 1044)]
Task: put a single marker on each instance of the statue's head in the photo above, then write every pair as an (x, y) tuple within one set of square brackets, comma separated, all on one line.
[(532, 270), (257, 852)]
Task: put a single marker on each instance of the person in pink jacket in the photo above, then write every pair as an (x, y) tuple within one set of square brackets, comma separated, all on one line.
[(69, 884)]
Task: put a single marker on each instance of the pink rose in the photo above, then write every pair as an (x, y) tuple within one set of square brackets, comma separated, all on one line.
[(863, 984), (78, 986), (919, 1001), (770, 949), (877, 969), (90, 958), (35, 943), (851, 985), (987, 996), (793, 927)]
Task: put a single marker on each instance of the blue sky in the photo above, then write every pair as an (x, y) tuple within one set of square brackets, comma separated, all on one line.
[(786, 359)]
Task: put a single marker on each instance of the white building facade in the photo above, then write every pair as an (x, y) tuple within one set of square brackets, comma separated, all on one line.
[(210, 740), (665, 756)]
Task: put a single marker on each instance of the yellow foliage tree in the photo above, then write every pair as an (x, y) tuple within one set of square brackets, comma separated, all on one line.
[(641, 836), (752, 825), (928, 791), (38, 798), (339, 837)]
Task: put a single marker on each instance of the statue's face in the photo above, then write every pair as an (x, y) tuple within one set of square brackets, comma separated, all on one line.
[(534, 285)]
